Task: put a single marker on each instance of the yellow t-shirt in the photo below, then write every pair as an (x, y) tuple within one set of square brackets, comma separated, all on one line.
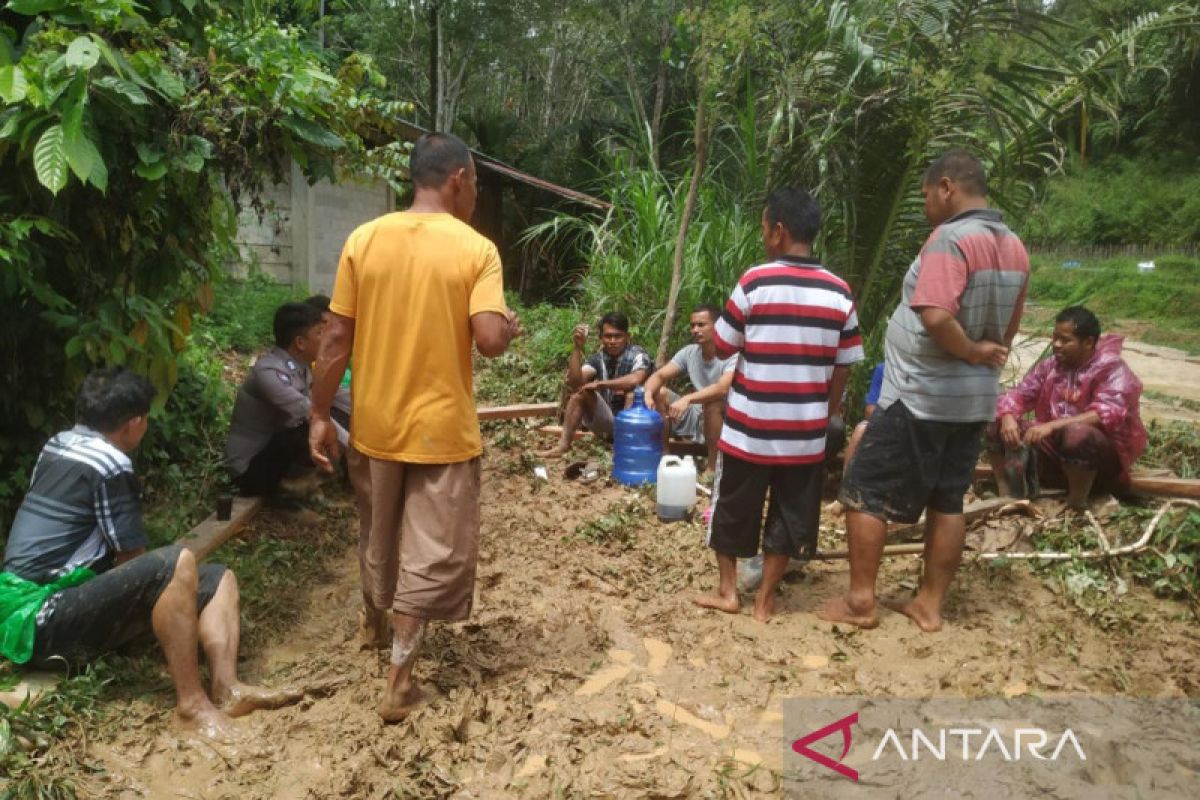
[(412, 282)]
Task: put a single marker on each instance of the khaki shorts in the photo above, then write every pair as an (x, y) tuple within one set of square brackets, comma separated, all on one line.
[(418, 536)]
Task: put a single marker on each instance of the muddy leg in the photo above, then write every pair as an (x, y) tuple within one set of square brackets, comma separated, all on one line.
[(944, 535), (175, 626), (401, 696), (865, 535), (774, 565), (219, 631), (1079, 486), (726, 597), (577, 407), (999, 472), (714, 418)]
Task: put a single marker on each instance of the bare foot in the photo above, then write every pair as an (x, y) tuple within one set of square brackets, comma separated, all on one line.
[(209, 722), (838, 609), (764, 608), (835, 508), (922, 617), (553, 454), (396, 705), (730, 604), (241, 698)]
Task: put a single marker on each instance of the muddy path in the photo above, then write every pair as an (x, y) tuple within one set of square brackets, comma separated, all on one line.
[(585, 672)]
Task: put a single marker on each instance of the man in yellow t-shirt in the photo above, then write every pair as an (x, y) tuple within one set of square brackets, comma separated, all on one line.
[(414, 290)]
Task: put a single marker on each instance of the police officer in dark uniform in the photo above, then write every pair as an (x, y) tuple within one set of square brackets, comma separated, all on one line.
[(268, 434)]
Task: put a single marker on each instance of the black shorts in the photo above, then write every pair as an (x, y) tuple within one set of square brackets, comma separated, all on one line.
[(793, 516), (904, 465), (112, 609)]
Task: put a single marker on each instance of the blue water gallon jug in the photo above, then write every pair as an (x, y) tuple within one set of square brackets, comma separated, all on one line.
[(637, 442)]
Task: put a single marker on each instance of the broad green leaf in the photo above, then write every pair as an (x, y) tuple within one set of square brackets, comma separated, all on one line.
[(168, 83), (82, 53), (127, 89), (85, 160), (151, 172), (13, 86), (12, 121), (191, 161), (73, 103), (148, 154), (31, 7), (50, 159), (313, 133)]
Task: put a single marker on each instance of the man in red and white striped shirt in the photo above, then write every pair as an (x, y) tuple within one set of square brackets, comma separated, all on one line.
[(795, 327)]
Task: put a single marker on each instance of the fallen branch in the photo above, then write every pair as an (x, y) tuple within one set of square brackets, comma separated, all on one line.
[(212, 533), (518, 411)]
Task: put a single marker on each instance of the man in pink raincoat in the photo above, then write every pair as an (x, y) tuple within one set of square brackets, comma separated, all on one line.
[(1086, 429)]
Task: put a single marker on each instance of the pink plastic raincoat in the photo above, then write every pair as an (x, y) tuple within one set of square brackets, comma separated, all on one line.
[(1104, 385)]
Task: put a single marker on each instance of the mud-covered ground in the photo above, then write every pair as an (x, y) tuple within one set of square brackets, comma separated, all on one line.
[(585, 672)]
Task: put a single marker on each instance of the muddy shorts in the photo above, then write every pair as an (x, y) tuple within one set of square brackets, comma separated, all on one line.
[(421, 528), (904, 465), (112, 609), (793, 513)]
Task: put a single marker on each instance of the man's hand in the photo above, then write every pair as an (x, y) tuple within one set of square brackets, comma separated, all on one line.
[(514, 325), (1039, 432), (579, 336), (591, 386), (1010, 432), (322, 442), (677, 409), (988, 354)]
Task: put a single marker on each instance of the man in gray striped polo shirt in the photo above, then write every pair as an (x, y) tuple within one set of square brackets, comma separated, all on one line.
[(946, 342)]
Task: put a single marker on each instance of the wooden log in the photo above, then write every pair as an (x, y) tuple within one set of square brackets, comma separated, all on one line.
[(518, 411), (1139, 483), (211, 533)]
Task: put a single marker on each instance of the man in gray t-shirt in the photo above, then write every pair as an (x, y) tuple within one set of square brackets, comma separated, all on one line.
[(698, 415)]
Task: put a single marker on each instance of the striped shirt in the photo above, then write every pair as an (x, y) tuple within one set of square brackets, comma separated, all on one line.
[(792, 321), (977, 269), (82, 508)]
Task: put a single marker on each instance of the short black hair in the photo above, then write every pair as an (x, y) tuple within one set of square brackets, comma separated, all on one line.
[(1087, 325), (292, 320), (797, 210), (616, 320), (108, 398), (960, 167), (713, 312), (435, 157), (319, 301)]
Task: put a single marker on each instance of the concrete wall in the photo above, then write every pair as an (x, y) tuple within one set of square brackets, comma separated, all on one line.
[(299, 238)]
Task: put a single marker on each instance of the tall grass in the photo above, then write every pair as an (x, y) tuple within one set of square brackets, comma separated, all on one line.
[(627, 254)]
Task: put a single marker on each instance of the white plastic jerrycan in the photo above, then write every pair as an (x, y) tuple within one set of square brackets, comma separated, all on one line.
[(676, 487)]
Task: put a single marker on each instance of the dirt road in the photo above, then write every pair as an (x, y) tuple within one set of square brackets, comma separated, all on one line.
[(586, 673)]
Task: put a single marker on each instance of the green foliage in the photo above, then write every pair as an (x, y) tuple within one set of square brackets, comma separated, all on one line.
[(532, 368), (241, 319), (38, 739), (1172, 445), (1120, 201), (126, 132), (1168, 297)]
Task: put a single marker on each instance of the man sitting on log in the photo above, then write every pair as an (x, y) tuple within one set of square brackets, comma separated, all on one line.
[(697, 415), (78, 580), (602, 385), (268, 432), (1086, 429)]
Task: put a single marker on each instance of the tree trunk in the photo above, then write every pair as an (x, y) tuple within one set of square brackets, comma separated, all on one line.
[(435, 65), (660, 91), (689, 210)]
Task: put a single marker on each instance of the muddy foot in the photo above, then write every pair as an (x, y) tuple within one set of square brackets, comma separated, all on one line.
[(730, 605), (764, 609), (923, 618), (211, 723), (553, 454), (242, 698), (395, 707), (838, 610)]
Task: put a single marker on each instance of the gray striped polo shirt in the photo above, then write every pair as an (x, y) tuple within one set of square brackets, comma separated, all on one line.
[(973, 266)]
